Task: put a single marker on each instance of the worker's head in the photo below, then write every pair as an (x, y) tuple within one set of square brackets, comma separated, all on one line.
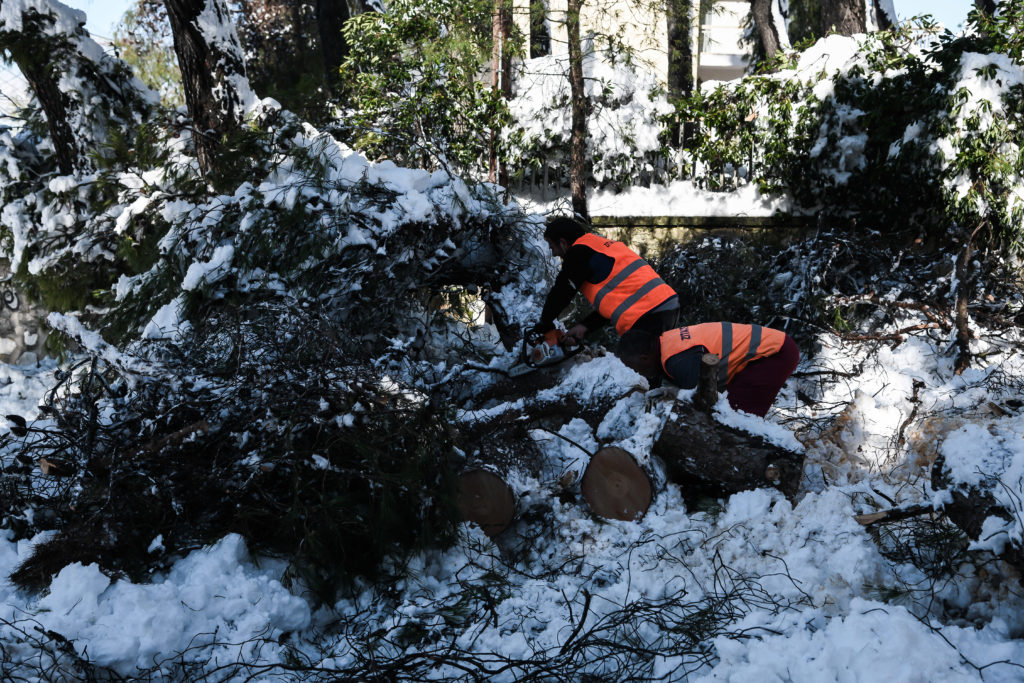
[(641, 351), (561, 232)]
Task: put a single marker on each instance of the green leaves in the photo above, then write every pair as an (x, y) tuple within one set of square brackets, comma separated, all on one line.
[(904, 139), (416, 81)]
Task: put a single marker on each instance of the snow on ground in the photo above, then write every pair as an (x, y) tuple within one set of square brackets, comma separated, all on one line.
[(818, 605), (819, 602)]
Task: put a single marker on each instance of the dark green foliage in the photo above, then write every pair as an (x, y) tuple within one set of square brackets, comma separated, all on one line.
[(898, 139), (804, 283), (415, 79)]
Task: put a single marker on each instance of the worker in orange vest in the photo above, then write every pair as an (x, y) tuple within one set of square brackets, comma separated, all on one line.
[(754, 361), (622, 287)]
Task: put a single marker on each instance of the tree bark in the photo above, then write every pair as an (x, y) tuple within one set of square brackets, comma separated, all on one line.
[(845, 17), (883, 20), (680, 49), (963, 293), (33, 64), (767, 29), (330, 17), (708, 458), (501, 80), (707, 383), (986, 6), (578, 167), (207, 74)]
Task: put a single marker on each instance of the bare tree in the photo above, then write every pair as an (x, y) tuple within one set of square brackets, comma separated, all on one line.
[(212, 72)]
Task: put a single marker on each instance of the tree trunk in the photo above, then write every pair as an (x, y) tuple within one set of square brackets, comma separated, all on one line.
[(298, 40), (986, 6), (680, 49), (845, 17), (708, 458), (501, 80), (33, 64), (210, 70), (765, 26), (330, 16), (885, 14), (578, 167)]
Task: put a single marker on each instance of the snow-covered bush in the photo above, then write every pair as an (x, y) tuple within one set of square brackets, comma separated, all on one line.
[(625, 127), (260, 426), (58, 198), (250, 389), (921, 136)]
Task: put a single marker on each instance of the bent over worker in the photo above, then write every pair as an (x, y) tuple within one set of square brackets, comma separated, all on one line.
[(622, 287), (754, 361)]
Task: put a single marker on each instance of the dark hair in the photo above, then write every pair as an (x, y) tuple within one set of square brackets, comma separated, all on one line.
[(564, 227)]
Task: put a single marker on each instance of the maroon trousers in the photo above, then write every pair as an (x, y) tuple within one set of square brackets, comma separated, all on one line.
[(754, 388)]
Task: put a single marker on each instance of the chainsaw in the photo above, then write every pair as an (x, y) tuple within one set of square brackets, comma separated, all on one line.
[(547, 351)]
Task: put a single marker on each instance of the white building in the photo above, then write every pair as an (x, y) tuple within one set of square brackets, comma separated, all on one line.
[(718, 50)]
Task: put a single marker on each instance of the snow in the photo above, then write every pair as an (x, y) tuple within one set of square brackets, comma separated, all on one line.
[(813, 592), (811, 557)]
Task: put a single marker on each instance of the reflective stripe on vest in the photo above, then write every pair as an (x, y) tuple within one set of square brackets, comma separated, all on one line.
[(736, 345), (631, 289)]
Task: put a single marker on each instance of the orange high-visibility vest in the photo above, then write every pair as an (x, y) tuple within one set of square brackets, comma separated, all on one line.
[(631, 289), (735, 344)]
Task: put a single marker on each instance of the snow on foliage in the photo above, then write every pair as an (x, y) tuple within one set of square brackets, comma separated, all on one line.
[(280, 340), (834, 127), (624, 127)]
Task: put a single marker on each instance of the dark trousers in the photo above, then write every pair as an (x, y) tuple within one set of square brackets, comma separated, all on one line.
[(754, 388), (652, 323)]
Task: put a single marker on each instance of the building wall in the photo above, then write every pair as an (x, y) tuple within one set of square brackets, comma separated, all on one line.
[(721, 56)]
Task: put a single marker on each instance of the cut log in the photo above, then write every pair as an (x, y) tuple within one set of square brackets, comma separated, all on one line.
[(486, 500), (615, 486), (710, 459), (707, 384)]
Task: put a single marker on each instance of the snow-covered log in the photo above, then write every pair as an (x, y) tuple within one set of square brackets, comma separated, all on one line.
[(709, 458)]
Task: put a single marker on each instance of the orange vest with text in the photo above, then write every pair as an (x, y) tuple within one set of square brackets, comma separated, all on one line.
[(736, 345), (631, 289)]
